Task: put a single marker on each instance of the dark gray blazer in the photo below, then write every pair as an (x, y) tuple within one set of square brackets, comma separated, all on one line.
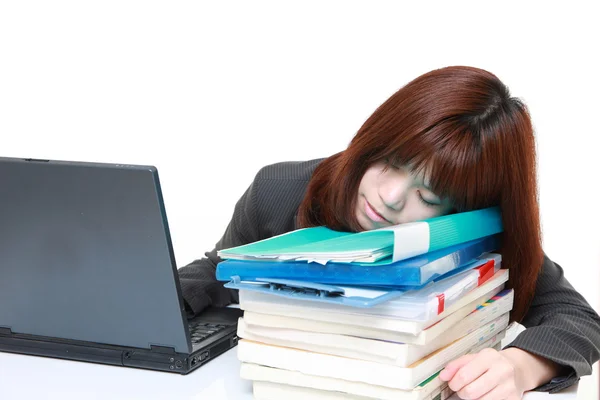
[(561, 325)]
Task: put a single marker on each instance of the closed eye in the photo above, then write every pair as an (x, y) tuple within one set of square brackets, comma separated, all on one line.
[(425, 201)]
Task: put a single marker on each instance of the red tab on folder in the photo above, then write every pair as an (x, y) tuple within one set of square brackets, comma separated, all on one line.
[(486, 271), (441, 300)]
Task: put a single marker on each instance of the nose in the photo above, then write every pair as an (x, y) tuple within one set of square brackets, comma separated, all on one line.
[(393, 190)]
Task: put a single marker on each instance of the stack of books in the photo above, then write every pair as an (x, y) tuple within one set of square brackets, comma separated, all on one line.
[(370, 315)]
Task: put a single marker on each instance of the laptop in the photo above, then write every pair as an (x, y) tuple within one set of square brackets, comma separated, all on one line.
[(88, 273)]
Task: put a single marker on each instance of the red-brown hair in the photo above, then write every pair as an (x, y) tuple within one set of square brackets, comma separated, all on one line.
[(476, 142)]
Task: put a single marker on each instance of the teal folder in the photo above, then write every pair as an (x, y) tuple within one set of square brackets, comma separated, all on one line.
[(385, 245)]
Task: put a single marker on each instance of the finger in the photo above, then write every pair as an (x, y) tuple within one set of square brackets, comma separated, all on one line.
[(470, 372), (486, 383), (453, 366)]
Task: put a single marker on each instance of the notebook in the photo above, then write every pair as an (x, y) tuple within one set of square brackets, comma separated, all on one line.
[(495, 304), (266, 390), (263, 390), (364, 371), (394, 243), (399, 354), (274, 383)]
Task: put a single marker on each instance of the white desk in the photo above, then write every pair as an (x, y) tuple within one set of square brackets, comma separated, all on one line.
[(28, 377)]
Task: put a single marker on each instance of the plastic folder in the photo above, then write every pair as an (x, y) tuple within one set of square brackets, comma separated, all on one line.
[(434, 296), (387, 245), (411, 273), (347, 296)]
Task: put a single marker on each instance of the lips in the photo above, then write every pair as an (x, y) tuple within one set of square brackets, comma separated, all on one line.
[(373, 214)]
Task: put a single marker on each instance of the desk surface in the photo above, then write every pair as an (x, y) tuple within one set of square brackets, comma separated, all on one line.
[(32, 377)]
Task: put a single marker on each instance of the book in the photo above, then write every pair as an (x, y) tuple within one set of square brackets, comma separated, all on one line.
[(391, 244), (411, 273), (265, 390), (288, 384), (398, 354), (268, 304), (480, 311), (364, 371)]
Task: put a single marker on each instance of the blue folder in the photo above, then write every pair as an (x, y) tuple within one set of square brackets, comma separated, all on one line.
[(410, 273)]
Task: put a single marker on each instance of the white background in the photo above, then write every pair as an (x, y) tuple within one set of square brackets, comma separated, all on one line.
[(209, 94)]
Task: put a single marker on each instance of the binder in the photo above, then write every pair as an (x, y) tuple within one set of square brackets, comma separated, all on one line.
[(388, 245), (411, 273)]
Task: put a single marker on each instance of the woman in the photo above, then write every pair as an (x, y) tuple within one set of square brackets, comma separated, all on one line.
[(451, 140)]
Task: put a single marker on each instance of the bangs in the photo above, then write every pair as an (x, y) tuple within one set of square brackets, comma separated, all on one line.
[(454, 165)]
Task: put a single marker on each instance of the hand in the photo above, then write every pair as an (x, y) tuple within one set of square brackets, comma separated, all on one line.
[(487, 375)]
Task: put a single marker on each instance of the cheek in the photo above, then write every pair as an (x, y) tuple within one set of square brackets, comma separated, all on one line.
[(417, 211), (366, 182)]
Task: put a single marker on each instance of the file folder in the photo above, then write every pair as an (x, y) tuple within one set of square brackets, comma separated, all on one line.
[(433, 298), (413, 272), (389, 244)]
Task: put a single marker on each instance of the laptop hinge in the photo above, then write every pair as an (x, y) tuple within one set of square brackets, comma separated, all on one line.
[(162, 349), (5, 331)]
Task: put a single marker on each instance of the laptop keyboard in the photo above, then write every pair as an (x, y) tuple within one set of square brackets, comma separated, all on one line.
[(200, 331)]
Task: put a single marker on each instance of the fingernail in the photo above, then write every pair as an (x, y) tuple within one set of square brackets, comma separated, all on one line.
[(442, 375)]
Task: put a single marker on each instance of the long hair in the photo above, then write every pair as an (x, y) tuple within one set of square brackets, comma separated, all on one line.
[(475, 141)]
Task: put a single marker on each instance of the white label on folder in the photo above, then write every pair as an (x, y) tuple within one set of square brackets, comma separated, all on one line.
[(410, 239), (358, 292)]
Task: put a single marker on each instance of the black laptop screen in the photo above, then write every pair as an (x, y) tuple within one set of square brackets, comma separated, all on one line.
[(85, 254)]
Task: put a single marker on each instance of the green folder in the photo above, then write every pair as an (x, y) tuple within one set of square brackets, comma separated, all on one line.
[(395, 243)]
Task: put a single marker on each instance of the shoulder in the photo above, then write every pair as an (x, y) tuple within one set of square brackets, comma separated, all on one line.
[(553, 287), (550, 274), (289, 170), (278, 190)]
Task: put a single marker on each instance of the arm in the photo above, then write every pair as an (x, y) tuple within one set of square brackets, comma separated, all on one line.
[(560, 344), (490, 374), (266, 209), (198, 279), (532, 370), (563, 333)]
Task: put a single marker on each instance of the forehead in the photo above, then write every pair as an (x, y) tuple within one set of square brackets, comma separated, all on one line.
[(421, 173)]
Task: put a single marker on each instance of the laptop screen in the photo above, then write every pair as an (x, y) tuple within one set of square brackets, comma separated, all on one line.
[(85, 254)]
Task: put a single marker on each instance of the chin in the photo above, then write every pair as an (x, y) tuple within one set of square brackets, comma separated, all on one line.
[(364, 223)]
